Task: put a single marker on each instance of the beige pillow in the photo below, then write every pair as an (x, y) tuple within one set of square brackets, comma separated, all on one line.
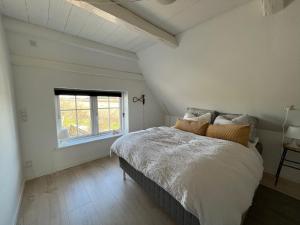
[(196, 127), (230, 132), (240, 120)]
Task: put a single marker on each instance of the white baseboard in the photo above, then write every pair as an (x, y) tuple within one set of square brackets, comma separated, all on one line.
[(17, 213)]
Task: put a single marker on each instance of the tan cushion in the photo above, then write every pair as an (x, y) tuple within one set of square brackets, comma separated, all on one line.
[(230, 132), (196, 127)]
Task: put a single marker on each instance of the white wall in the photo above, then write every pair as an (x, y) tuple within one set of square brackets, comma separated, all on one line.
[(238, 62), (11, 181), (54, 64)]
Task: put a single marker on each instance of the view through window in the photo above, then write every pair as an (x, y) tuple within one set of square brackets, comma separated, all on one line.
[(75, 115), (109, 113), (88, 114)]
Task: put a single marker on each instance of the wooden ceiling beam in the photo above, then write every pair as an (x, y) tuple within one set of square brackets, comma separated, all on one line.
[(270, 7), (114, 12)]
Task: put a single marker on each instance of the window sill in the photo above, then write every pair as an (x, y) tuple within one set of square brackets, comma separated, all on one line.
[(85, 140)]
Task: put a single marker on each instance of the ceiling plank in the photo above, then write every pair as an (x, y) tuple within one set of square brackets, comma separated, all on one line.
[(93, 23), (58, 14), (116, 13), (77, 19), (16, 9), (38, 11)]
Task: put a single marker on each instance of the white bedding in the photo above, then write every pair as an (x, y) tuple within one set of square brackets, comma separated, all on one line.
[(213, 179)]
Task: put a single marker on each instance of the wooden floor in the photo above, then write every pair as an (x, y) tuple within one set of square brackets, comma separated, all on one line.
[(285, 186), (92, 194)]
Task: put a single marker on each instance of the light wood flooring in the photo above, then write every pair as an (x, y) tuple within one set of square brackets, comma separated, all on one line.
[(93, 194), (90, 194)]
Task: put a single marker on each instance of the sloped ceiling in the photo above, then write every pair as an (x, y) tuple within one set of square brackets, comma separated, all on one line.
[(240, 62), (62, 16), (182, 14)]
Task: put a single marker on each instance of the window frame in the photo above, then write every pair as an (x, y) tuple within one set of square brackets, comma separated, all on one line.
[(95, 134)]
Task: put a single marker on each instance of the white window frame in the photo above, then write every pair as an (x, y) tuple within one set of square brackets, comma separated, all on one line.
[(95, 135)]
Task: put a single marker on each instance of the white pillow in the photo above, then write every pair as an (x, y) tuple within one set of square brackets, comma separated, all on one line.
[(188, 115), (220, 120), (204, 118)]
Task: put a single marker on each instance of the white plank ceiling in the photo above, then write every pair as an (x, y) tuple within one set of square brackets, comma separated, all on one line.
[(62, 16), (182, 14)]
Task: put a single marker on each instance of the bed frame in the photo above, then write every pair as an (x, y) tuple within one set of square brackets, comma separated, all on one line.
[(162, 197)]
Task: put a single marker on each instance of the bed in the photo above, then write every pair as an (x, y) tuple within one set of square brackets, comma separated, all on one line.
[(194, 178)]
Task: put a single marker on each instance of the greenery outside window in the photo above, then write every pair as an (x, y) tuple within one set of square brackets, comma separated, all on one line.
[(84, 115)]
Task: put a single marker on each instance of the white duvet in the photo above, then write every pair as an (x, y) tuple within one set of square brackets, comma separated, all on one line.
[(213, 179)]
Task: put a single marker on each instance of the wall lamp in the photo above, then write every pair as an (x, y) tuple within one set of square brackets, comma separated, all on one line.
[(140, 99)]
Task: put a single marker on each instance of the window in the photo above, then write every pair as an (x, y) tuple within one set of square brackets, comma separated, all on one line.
[(109, 112), (87, 114)]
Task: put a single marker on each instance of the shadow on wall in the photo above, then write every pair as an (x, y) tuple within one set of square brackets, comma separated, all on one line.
[(274, 6), (287, 3), (269, 122)]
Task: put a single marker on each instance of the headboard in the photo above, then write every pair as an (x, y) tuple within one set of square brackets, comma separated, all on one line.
[(198, 112)]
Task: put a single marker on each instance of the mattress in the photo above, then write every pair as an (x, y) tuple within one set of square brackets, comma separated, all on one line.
[(214, 180)]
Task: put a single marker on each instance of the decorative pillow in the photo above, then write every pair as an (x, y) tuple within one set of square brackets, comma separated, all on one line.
[(239, 119), (204, 118), (230, 132), (221, 120), (195, 112), (196, 127)]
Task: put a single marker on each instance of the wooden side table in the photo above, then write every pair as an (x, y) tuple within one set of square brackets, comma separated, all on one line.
[(282, 163)]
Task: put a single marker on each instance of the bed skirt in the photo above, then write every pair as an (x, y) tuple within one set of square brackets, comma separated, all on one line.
[(160, 196)]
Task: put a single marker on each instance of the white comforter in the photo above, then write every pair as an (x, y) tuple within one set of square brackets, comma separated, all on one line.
[(213, 179)]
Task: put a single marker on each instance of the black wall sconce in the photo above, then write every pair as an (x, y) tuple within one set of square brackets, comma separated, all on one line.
[(140, 99)]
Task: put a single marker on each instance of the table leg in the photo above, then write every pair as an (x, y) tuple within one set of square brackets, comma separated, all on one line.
[(280, 165)]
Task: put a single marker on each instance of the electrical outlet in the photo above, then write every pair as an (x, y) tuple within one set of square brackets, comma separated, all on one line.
[(28, 164)]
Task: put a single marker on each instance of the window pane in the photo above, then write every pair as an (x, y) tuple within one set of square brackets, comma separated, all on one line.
[(83, 102), (115, 119), (114, 102), (102, 102), (68, 120), (103, 120), (77, 115), (67, 102), (84, 122)]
